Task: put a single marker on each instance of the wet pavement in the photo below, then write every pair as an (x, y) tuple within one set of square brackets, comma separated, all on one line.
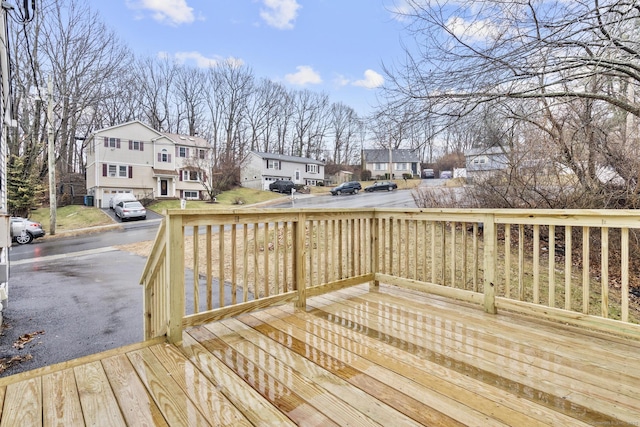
[(74, 306)]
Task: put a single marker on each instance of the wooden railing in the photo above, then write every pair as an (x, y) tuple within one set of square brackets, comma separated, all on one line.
[(208, 265)]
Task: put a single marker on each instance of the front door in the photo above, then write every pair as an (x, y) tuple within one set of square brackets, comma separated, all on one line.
[(164, 185)]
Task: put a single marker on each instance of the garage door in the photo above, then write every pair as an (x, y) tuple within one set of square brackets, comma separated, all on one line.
[(107, 195)]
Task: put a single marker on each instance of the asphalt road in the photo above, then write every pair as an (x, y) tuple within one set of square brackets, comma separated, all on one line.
[(75, 296)]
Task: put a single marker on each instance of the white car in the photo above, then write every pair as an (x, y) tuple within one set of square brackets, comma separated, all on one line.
[(24, 231), (130, 210), (121, 197)]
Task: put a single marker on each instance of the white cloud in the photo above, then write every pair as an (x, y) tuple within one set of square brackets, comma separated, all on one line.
[(280, 13), (305, 75), (371, 80), (341, 80), (200, 60), (472, 30), (171, 12)]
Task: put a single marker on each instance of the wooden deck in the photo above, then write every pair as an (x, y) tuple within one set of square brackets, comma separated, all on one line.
[(391, 357)]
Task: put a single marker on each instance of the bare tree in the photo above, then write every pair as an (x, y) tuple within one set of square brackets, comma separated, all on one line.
[(344, 127), (84, 57), (567, 69), (310, 123), (189, 89), (491, 49), (229, 88), (69, 42), (154, 84)]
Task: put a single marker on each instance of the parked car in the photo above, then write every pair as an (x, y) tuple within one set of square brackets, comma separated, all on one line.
[(351, 187), (428, 173), (121, 197), (381, 185), (130, 210), (24, 231), (446, 175), (282, 186)]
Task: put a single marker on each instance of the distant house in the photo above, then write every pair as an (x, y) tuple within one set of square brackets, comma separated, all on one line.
[(392, 162), (135, 158), (484, 161), (340, 177), (261, 169)]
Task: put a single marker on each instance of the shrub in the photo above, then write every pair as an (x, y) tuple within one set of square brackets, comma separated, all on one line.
[(407, 176), (365, 175)]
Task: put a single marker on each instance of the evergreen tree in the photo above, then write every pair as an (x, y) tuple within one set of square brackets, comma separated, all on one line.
[(23, 187)]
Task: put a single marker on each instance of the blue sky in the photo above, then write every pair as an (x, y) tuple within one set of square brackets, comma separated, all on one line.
[(331, 46)]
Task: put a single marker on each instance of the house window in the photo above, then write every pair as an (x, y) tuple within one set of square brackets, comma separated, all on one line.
[(117, 171), (190, 194), (401, 166), (190, 175), (183, 152), (273, 164), (312, 168), (164, 156), (111, 142), (136, 145), (201, 154), (380, 166)]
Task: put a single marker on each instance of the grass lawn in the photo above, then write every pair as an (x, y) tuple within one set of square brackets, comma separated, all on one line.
[(73, 217)]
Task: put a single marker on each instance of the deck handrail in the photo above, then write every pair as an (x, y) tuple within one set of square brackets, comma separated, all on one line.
[(240, 260)]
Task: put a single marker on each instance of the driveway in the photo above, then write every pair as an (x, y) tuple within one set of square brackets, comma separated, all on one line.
[(63, 307), (150, 215)]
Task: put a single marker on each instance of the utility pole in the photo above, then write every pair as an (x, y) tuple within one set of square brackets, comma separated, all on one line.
[(52, 162)]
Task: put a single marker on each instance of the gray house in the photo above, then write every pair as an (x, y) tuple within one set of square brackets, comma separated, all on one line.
[(485, 160), (393, 162), (261, 169)]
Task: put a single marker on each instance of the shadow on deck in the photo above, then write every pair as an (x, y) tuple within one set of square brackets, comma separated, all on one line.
[(353, 357)]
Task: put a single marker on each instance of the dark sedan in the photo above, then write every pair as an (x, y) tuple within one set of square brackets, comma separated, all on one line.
[(382, 185)]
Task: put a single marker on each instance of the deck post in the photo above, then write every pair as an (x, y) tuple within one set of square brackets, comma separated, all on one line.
[(375, 251), (490, 253), (175, 274), (299, 262)]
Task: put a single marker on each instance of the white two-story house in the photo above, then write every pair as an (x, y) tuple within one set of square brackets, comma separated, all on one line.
[(261, 169), (134, 158), (391, 163)]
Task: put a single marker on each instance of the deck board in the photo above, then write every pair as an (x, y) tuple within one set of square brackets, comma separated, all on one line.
[(60, 400), (358, 399), (302, 380), (99, 404), (137, 406), (23, 404), (559, 361), (355, 357), (444, 382), (172, 401), (507, 367), (212, 404), (250, 402)]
